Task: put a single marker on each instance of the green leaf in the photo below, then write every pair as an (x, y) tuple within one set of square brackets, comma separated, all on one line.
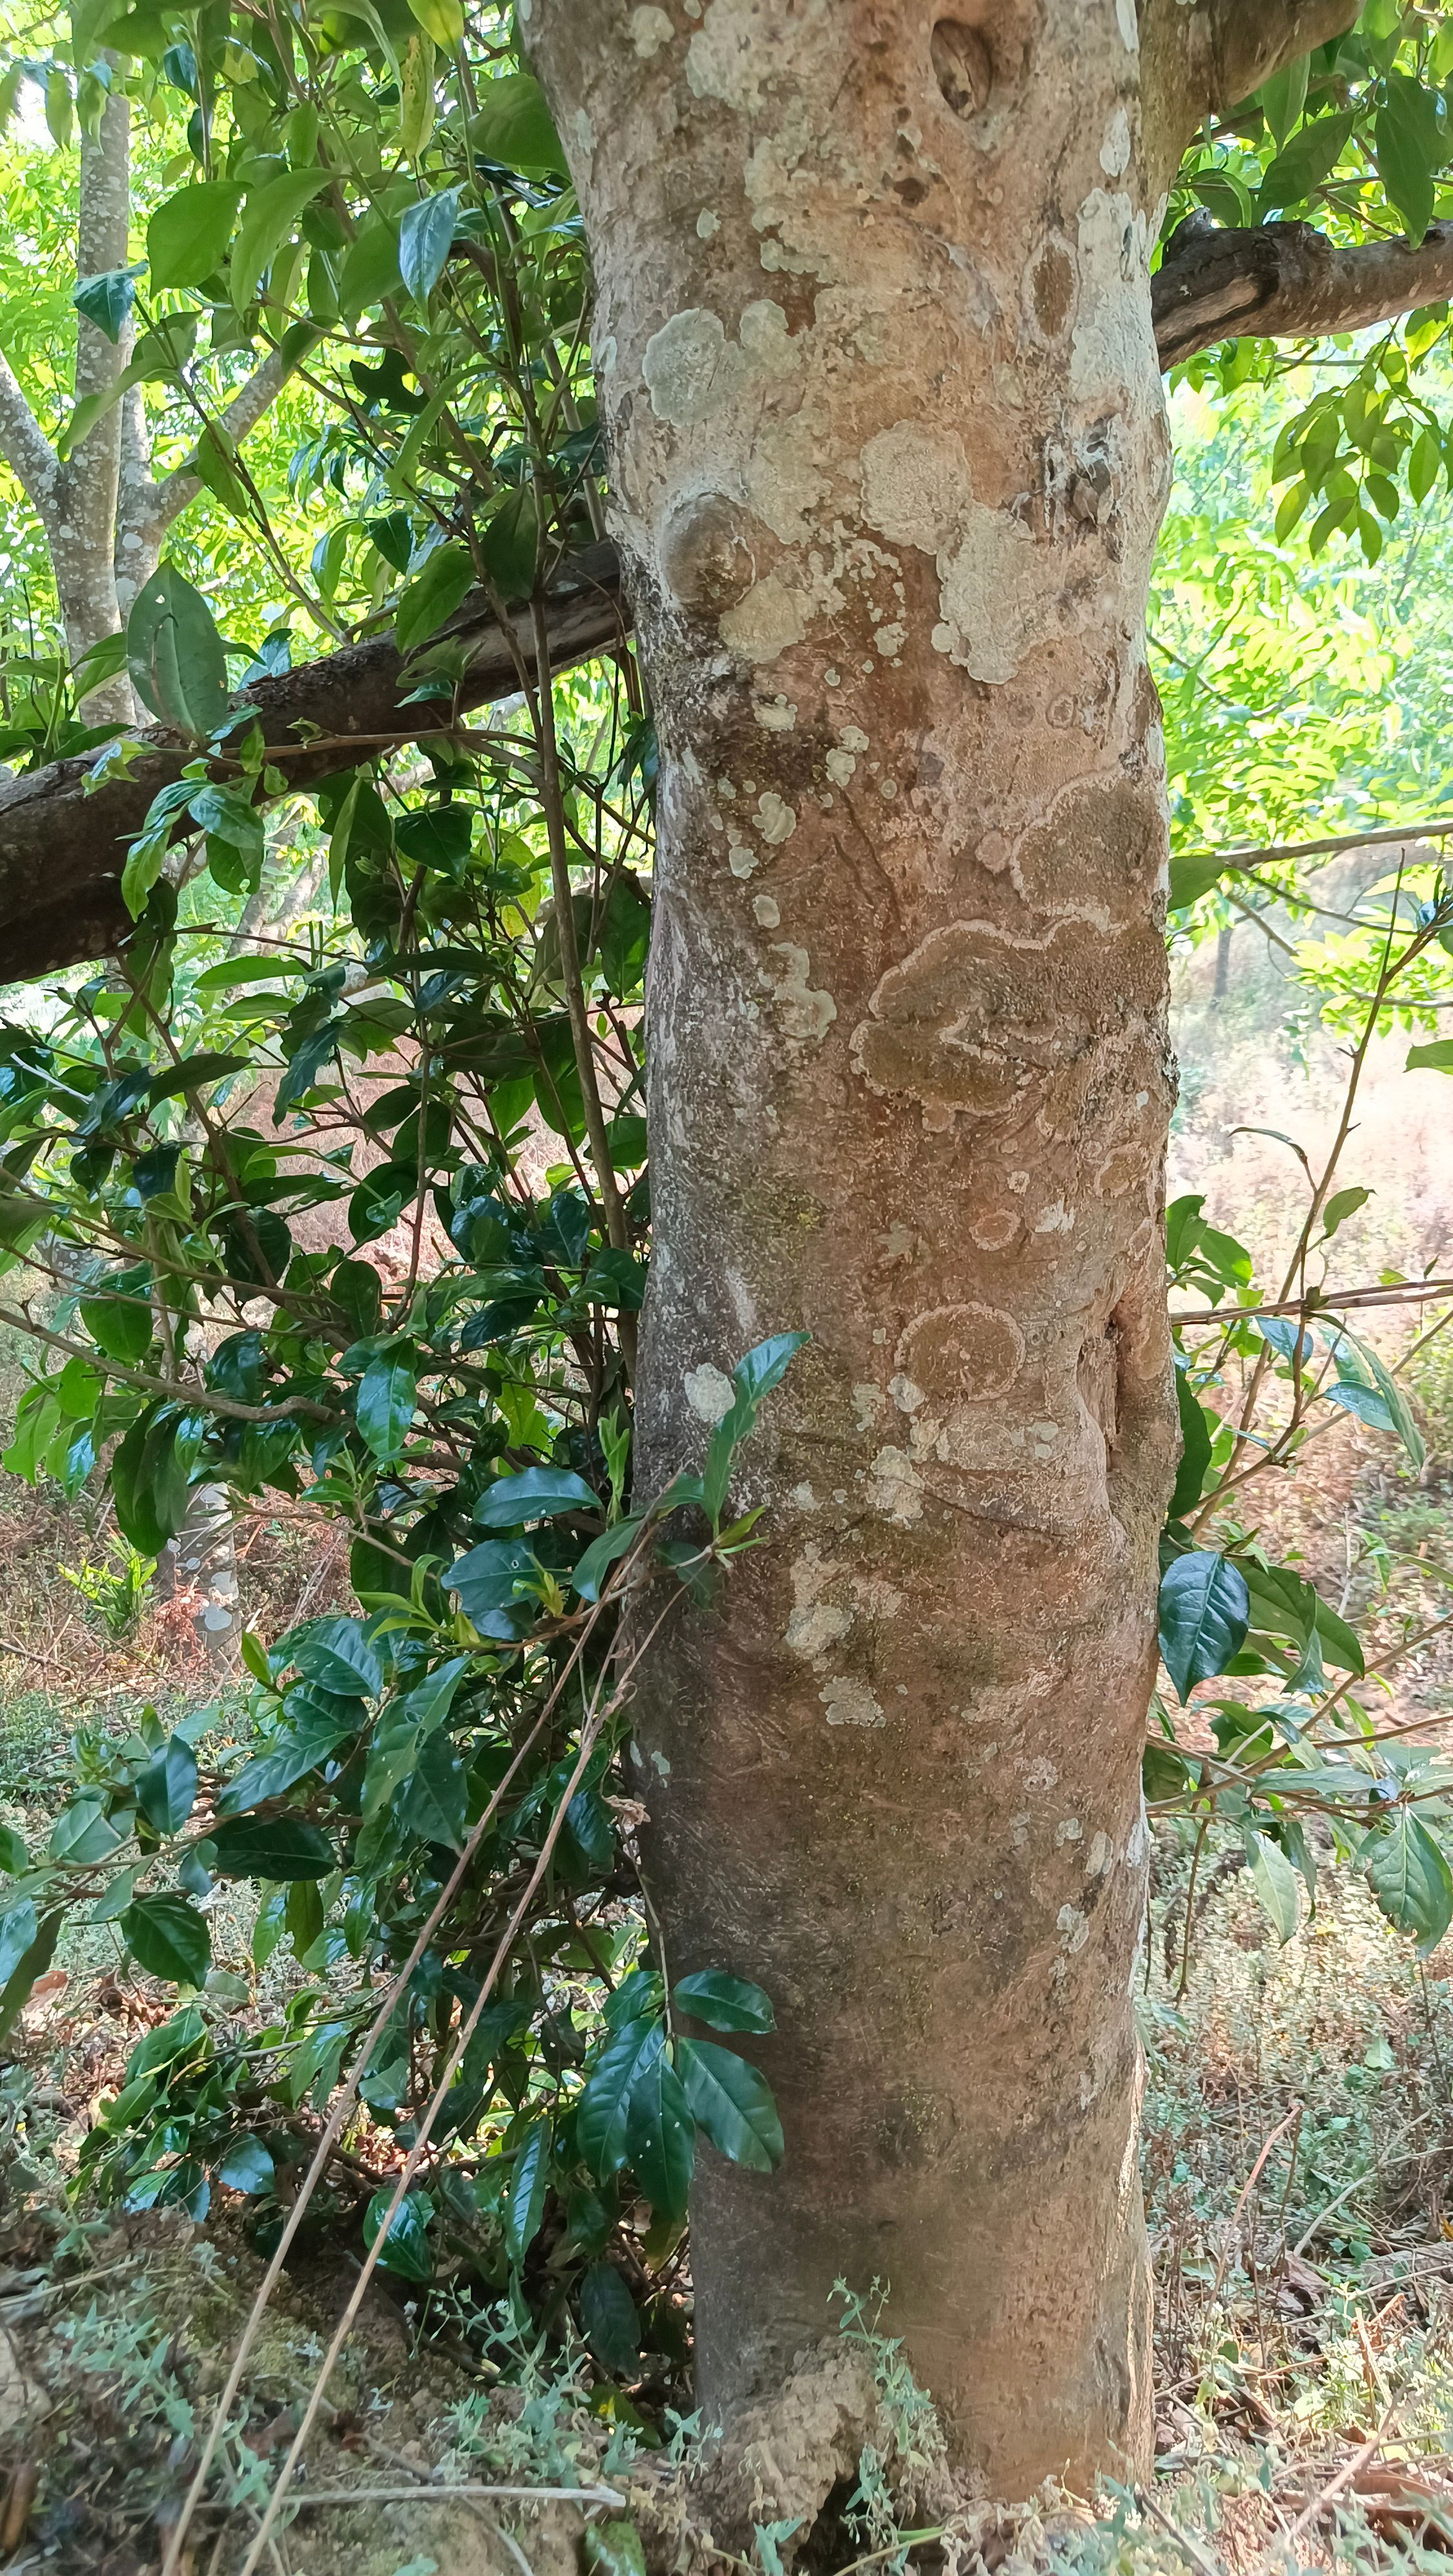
[(17, 1932), (1306, 161), (723, 2002), (1340, 1206), (1283, 97), (385, 1410), (195, 1073), (434, 1802), (661, 2134), (121, 1326), (1204, 1616), (425, 234), (83, 1832), (1410, 1878), (33, 1963), (168, 1938), (510, 543), (107, 300), (1436, 1057), (513, 126), (1275, 1882), (1408, 145), (166, 1791), (441, 19), (732, 2102), (370, 270), (525, 2198), (601, 2113), (609, 2321), (433, 596), (406, 2245), (1193, 875), (247, 2166), (1365, 1401), (1195, 1450), (336, 1654), (14, 1858), (535, 1494), (603, 1553), (187, 237), (268, 218), (270, 1847), (174, 654), (291, 1756)]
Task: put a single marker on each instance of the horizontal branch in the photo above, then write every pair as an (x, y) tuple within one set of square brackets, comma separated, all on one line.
[(1286, 282), (1323, 1305), (62, 851)]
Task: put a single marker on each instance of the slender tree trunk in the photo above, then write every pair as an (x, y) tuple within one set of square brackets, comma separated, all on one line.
[(82, 525), (889, 452)]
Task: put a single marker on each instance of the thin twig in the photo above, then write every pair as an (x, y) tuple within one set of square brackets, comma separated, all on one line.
[(1194, 2552)]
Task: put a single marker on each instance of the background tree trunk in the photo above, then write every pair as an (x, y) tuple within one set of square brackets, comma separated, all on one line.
[(888, 455)]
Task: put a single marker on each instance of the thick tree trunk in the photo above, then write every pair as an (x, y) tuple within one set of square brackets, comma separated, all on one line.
[(889, 451)]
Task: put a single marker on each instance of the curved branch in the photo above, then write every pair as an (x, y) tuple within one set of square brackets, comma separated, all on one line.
[(1211, 55), (61, 850), (24, 445), (1286, 282), (243, 413)]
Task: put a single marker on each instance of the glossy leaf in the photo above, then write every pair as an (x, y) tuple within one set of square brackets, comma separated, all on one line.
[(732, 2103), (270, 1847), (723, 2002), (525, 2199), (1409, 1876), (175, 656), (661, 2134), (1204, 1615), (168, 1938), (166, 1790), (187, 237)]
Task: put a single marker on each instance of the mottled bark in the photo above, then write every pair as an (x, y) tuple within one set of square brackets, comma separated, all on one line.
[(888, 452), (1287, 281)]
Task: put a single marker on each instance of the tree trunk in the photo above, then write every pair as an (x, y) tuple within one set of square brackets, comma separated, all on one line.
[(888, 454), (82, 527)]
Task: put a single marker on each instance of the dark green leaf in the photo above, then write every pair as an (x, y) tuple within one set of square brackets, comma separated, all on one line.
[(525, 2199), (175, 656), (536, 1494), (723, 2002), (336, 1654), (1195, 1450), (609, 2321), (1410, 1878), (168, 1938), (270, 1847), (107, 300), (385, 1408), (247, 2166), (601, 2114), (513, 126), (434, 1803), (32, 1963), (406, 2246), (661, 2135), (166, 1791), (17, 1932), (1204, 1616), (732, 2102)]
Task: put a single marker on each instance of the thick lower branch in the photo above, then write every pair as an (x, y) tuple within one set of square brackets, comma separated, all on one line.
[(1287, 282), (61, 851)]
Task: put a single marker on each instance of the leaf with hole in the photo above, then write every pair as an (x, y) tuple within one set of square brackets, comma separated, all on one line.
[(661, 2134)]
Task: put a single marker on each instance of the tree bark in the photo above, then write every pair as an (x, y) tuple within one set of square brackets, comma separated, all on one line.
[(81, 526), (1287, 282), (888, 453)]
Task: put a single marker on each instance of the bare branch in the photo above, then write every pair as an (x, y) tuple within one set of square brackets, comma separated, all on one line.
[(1286, 281)]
